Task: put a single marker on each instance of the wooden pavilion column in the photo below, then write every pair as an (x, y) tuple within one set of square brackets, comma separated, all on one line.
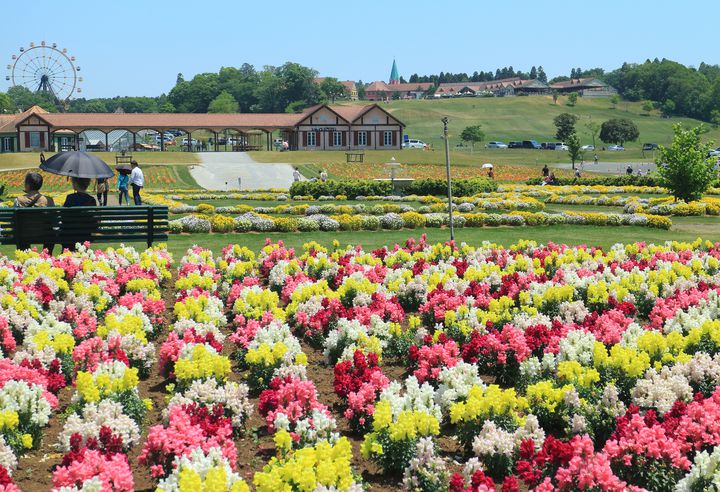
[(162, 140), (215, 140), (106, 141), (189, 141), (134, 141)]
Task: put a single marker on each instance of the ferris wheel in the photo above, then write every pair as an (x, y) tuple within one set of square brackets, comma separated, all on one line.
[(45, 68)]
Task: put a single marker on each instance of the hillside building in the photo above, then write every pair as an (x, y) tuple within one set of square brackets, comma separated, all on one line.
[(587, 87), (320, 127)]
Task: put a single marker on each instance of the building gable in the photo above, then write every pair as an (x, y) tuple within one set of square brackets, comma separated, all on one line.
[(323, 115), (375, 115), (33, 120)]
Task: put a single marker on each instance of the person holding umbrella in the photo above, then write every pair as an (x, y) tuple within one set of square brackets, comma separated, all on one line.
[(101, 191), (137, 181)]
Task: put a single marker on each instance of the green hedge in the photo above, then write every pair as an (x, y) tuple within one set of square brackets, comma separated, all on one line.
[(460, 187), (349, 188)]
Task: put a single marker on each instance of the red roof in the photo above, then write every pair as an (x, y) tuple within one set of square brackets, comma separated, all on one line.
[(380, 86)]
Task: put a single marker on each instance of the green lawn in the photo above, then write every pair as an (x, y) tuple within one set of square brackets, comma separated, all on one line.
[(28, 160), (573, 235)]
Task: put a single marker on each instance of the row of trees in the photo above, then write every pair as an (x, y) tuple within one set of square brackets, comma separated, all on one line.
[(461, 77)]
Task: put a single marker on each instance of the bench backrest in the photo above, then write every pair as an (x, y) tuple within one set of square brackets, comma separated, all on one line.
[(61, 225)]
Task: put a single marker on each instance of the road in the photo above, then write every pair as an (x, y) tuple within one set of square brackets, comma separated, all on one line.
[(221, 170)]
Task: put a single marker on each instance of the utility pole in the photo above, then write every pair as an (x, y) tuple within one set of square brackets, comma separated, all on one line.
[(447, 170)]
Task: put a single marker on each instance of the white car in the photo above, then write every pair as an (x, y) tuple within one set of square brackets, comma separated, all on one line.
[(192, 141), (496, 145), (561, 146), (413, 144), (616, 148), (714, 153), (587, 147)]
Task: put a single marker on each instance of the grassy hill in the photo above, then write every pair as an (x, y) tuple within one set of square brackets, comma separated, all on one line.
[(529, 118)]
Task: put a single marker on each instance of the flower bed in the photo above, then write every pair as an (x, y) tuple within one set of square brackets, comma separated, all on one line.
[(447, 367)]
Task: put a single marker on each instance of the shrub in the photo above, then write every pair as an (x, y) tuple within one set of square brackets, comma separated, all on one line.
[(286, 224), (242, 225), (391, 221), (349, 222), (308, 225), (413, 220), (175, 226), (349, 188), (205, 209), (460, 187), (370, 223), (222, 223)]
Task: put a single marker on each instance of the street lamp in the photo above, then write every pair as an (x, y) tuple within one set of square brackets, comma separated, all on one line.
[(447, 171)]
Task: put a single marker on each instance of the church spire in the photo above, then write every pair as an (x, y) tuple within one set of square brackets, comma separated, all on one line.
[(394, 75)]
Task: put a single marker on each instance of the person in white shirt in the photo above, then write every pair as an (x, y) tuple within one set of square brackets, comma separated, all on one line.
[(137, 181), (296, 174)]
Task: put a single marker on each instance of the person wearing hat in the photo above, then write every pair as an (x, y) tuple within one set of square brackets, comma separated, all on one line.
[(137, 181), (33, 198)]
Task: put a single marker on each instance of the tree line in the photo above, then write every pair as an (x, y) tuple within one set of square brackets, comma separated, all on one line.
[(667, 86)]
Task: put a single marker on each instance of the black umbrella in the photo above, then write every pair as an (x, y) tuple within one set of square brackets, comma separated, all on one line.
[(77, 165)]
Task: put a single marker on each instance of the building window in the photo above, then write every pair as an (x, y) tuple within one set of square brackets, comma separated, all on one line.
[(337, 139), (311, 139), (362, 139), (387, 139), (34, 140)]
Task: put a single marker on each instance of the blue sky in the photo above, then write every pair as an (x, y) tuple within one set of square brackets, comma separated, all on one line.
[(134, 47)]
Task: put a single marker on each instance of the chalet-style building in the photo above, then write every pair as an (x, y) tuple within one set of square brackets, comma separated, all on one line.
[(320, 127), (587, 87), (380, 91), (504, 87)]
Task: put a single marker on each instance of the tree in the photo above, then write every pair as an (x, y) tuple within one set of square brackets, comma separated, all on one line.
[(565, 125), (647, 106), (332, 88), (715, 117), (542, 77), (179, 79), (684, 167), (360, 86), (618, 131), (472, 134), (668, 107), (594, 128), (6, 104), (573, 143), (24, 98), (533, 73), (223, 103), (614, 100), (572, 98)]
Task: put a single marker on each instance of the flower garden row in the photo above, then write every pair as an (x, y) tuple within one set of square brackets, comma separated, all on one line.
[(84, 321), (551, 367), (247, 222)]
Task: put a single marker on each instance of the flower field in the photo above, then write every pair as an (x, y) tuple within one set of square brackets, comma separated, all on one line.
[(368, 170), (433, 367), (161, 177)]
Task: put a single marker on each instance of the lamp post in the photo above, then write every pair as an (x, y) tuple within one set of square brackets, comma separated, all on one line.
[(447, 171)]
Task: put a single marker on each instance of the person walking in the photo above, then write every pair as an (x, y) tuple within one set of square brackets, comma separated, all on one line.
[(323, 176), (545, 171), (137, 181), (101, 191), (296, 175), (596, 159), (33, 198), (122, 185)]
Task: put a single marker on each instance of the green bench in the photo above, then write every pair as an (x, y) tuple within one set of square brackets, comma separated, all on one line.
[(61, 225)]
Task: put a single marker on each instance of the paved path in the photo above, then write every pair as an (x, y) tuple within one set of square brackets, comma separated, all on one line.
[(221, 170), (612, 167)]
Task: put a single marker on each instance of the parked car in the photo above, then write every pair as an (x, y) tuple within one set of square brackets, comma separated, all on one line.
[(496, 145), (616, 148), (530, 144), (587, 147), (650, 146), (714, 153), (413, 144), (561, 146), (192, 141), (515, 145), (547, 146)]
